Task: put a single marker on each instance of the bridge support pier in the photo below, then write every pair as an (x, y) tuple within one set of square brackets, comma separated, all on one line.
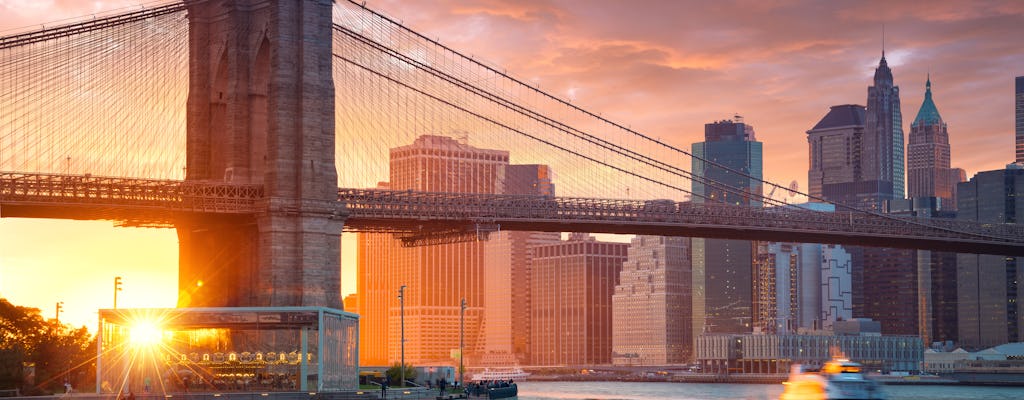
[(261, 111), (300, 258)]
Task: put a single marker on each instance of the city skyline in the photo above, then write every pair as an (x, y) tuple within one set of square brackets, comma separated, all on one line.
[(968, 139)]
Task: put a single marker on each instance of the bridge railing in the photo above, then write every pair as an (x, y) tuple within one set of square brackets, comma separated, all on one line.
[(87, 190), (391, 205), (391, 210)]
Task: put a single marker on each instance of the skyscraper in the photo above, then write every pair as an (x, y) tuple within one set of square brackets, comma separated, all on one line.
[(571, 300), (883, 138), (989, 307), (864, 168), (1020, 119), (437, 277), (929, 173), (508, 260), (722, 268), (652, 304)]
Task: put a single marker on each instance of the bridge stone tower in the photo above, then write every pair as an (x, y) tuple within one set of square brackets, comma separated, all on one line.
[(261, 111)]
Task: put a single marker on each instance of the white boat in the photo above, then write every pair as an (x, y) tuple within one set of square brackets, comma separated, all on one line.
[(508, 374), (838, 379)]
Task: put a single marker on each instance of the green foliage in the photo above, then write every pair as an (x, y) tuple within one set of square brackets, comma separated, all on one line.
[(55, 353), (395, 371)]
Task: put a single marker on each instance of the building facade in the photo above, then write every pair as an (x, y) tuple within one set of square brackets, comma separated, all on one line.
[(801, 286), (571, 300), (883, 137), (837, 157), (651, 320), (436, 277), (722, 268), (836, 285), (936, 313), (989, 306), (1019, 108), (775, 353), (508, 258), (885, 283)]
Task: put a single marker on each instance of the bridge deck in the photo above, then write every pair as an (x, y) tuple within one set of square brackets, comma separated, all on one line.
[(162, 202)]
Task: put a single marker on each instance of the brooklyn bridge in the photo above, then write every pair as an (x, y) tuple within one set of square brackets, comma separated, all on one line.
[(259, 130)]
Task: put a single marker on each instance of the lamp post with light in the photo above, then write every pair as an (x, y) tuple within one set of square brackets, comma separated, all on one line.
[(117, 288), (462, 334), (401, 311)]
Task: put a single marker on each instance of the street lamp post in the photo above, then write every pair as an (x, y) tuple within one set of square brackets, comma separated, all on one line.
[(117, 288), (462, 334), (401, 310)]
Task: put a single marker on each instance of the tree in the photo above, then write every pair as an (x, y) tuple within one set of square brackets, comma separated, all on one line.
[(55, 352), (394, 373)]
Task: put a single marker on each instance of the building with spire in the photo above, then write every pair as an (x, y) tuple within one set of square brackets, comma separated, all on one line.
[(928, 170), (883, 167)]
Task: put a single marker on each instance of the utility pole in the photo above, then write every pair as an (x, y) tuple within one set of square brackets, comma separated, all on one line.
[(117, 288), (462, 334), (401, 309), (60, 307)]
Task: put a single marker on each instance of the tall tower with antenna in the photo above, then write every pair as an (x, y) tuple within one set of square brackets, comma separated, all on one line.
[(883, 143)]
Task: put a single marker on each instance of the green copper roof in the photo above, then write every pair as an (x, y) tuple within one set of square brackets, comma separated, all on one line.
[(928, 114)]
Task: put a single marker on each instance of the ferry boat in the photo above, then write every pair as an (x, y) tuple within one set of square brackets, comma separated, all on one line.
[(511, 374), (838, 379)]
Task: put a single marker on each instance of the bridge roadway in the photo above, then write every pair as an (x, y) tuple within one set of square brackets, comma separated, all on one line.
[(149, 202)]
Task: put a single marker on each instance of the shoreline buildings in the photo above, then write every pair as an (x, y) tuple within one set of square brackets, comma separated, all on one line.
[(571, 300), (651, 322), (437, 277)]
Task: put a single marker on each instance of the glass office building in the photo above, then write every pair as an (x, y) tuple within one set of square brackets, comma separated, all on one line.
[(731, 156)]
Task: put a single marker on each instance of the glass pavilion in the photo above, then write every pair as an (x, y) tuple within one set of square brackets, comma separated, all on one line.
[(251, 349)]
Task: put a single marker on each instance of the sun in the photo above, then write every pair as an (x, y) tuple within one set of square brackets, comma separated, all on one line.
[(145, 333)]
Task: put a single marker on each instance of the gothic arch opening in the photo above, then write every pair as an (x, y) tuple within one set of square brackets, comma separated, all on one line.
[(258, 123), (218, 121)]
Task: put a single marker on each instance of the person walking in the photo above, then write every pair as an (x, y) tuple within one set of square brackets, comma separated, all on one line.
[(384, 387)]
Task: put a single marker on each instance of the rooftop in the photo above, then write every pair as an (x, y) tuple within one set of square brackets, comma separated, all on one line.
[(928, 114), (841, 116)]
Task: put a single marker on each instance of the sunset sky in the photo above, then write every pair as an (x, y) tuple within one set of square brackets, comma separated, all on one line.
[(663, 67)]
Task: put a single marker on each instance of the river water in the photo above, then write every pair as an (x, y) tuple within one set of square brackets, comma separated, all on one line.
[(695, 391)]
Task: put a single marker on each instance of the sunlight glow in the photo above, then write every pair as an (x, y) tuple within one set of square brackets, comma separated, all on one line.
[(145, 333)]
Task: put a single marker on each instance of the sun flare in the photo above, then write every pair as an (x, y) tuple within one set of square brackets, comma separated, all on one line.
[(145, 333)]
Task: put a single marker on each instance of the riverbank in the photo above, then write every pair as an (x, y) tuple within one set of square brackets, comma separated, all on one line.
[(620, 376), (530, 390)]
